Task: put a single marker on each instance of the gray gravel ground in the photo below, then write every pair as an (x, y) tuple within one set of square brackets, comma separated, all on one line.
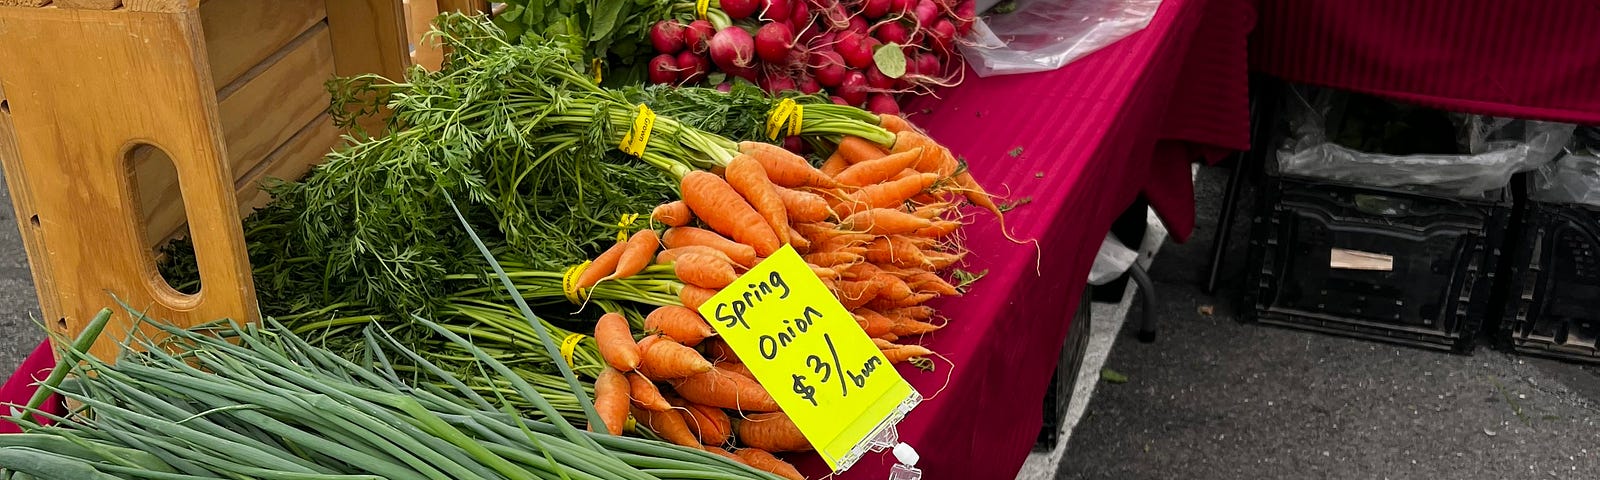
[(19, 307), (1217, 399)]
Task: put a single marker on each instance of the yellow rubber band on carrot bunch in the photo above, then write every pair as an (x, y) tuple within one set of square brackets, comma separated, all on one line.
[(633, 143), (569, 281), (596, 67), (787, 112), (701, 7), (569, 344), (624, 224)]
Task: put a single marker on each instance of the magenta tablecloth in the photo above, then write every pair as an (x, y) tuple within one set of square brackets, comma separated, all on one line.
[(20, 386), (1093, 135), (1535, 59)]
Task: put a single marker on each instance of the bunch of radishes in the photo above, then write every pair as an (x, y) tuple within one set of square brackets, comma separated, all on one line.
[(862, 52)]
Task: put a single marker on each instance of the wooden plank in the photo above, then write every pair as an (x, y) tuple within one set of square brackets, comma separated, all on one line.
[(241, 34), (291, 162), (23, 3), (369, 36), (118, 79), (89, 4), (271, 105), (466, 6), (419, 19)]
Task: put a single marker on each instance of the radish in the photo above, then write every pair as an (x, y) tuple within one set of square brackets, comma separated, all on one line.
[(800, 17), (857, 25), (925, 12), (663, 69), (883, 103), (807, 85), (965, 13), (775, 11), (942, 35), (828, 67), (875, 9), (823, 41), (725, 87), (793, 144), (697, 34), (775, 81), (774, 42), (877, 80), (732, 50), (837, 100), (740, 9), (853, 89), (667, 36), (922, 65), (691, 68), (900, 7), (835, 17), (891, 31), (856, 49), (747, 73)]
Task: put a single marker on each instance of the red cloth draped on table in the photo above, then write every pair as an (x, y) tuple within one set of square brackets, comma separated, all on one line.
[(20, 387), (1536, 59), (1093, 135)]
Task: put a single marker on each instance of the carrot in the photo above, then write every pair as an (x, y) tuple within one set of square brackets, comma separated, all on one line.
[(891, 287), (693, 296), (832, 259), (723, 453), (854, 294), (672, 214), (919, 312), (668, 424), (720, 387), (747, 177), (896, 124), (739, 368), (704, 271), (799, 242), (664, 359), (940, 260), (939, 229), (680, 324), (718, 350), (720, 206), (887, 337), (835, 164), (784, 167), (602, 266), (690, 236), (671, 255), (616, 342), (763, 461), (877, 170), (928, 282), (843, 241), (709, 424), (976, 194), (883, 221), (906, 352), (898, 251), (856, 149), (889, 194), (932, 210), (874, 323), (773, 432), (611, 399), (882, 304), (821, 272), (803, 207), (905, 328), (818, 230), (934, 158), (646, 395), (641, 247)]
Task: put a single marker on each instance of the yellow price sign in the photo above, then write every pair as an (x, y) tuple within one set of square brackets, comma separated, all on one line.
[(808, 351)]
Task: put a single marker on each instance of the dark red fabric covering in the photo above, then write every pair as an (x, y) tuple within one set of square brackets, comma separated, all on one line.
[(1536, 59), (1094, 135), (20, 387)]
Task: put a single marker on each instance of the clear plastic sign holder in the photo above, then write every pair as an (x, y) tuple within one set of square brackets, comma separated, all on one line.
[(887, 437)]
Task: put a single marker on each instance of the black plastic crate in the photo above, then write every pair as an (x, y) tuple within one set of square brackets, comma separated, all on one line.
[(1065, 379), (1378, 263), (1555, 284)]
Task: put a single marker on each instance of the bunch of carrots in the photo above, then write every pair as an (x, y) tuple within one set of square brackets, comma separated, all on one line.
[(876, 225)]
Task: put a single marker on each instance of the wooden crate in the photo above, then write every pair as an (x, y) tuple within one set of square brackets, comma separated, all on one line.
[(122, 120)]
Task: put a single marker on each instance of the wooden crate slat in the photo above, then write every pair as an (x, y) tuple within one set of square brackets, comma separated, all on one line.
[(292, 161), (240, 34)]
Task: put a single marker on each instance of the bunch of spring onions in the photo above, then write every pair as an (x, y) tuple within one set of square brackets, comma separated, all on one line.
[(242, 401)]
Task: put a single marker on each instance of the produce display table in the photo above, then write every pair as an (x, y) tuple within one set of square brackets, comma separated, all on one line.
[(1080, 144), (1533, 59)]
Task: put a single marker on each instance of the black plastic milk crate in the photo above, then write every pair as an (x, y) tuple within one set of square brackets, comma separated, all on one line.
[(1555, 284), (1376, 263)]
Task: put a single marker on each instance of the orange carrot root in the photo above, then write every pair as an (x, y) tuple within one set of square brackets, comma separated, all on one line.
[(615, 342), (636, 255), (680, 324), (664, 359), (646, 395), (611, 391), (672, 214), (603, 265), (739, 253), (773, 432), (716, 203), (724, 388)]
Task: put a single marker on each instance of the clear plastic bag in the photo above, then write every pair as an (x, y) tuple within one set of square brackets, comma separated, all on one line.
[(1043, 35), (1113, 260), (1573, 178), (1494, 149)]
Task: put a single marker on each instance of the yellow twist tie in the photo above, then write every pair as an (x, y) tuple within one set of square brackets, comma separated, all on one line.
[(786, 112), (569, 281), (568, 345), (622, 225), (700, 8), (596, 67), (634, 142)]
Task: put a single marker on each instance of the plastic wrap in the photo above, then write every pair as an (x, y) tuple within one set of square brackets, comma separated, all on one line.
[(1573, 178), (1043, 35), (1113, 260), (1492, 149)]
